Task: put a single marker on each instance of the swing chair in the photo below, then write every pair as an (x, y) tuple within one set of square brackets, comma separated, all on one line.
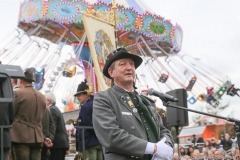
[(163, 77), (192, 100), (69, 71), (191, 83), (40, 72), (222, 89)]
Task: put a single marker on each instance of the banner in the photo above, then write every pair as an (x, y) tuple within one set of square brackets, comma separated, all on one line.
[(101, 39)]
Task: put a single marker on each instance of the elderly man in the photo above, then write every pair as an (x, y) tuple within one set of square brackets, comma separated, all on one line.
[(26, 132), (125, 122), (60, 142), (48, 129)]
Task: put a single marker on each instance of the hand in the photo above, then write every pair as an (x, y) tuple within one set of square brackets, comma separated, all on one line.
[(48, 143), (164, 151), (67, 152), (48, 152)]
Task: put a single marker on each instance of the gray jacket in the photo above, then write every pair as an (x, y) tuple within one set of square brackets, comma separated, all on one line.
[(48, 125), (119, 129)]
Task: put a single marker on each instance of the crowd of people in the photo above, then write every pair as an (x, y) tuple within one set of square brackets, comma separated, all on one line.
[(226, 148), (37, 126)]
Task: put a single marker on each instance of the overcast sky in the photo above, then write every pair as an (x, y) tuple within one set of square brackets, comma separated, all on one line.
[(211, 31)]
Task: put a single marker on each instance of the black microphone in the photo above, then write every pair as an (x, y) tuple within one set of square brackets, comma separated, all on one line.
[(162, 96)]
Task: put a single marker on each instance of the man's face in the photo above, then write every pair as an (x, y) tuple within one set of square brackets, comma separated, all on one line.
[(227, 136), (123, 72), (12, 82), (218, 155), (48, 102), (19, 83), (82, 97)]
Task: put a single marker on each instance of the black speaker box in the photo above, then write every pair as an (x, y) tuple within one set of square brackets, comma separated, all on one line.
[(178, 117)]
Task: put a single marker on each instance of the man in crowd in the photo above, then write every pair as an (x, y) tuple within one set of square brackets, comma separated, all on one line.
[(48, 129), (92, 145), (14, 84), (214, 143), (60, 142), (226, 142), (125, 122), (198, 139), (26, 132)]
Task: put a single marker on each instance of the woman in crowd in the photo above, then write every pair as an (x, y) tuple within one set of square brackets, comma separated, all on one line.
[(207, 145), (190, 151), (182, 151)]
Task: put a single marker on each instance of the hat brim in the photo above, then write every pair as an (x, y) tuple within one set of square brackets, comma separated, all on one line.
[(88, 92), (137, 61), (29, 80), (79, 93)]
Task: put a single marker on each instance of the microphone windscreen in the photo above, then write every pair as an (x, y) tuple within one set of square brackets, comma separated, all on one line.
[(150, 91)]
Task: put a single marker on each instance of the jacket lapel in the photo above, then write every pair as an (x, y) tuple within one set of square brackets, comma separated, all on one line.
[(126, 101)]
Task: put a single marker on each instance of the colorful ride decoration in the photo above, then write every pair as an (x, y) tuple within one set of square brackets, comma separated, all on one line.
[(57, 16), (222, 89), (69, 71), (57, 19), (212, 101), (232, 91), (191, 83), (201, 97), (210, 91), (163, 78), (68, 105), (86, 60), (192, 100), (90, 76), (40, 72)]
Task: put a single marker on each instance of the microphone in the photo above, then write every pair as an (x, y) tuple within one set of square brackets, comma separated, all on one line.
[(162, 96)]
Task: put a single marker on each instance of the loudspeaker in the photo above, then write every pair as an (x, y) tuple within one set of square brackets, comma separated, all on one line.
[(178, 117), (6, 73), (6, 91)]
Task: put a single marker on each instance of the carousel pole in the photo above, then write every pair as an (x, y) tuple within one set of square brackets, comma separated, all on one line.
[(114, 8)]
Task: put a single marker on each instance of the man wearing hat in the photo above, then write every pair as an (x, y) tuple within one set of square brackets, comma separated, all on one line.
[(93, 147), (126, 123), (26, 132)]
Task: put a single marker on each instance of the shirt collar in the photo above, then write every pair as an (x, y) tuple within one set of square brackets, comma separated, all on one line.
[(85, 102), (126, 89)]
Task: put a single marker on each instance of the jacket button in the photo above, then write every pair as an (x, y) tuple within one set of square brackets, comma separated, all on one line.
[(132, 156), (144, 139), (132, 127), (136, 157)]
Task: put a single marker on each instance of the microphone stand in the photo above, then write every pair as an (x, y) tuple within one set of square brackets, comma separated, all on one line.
[(236, 122)]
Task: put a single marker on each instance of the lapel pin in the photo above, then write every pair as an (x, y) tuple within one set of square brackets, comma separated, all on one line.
[(135, 110)]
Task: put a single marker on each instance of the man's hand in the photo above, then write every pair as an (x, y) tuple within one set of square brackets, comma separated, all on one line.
[(48, 143), (163, 151), (48, 152), (67, 152)]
